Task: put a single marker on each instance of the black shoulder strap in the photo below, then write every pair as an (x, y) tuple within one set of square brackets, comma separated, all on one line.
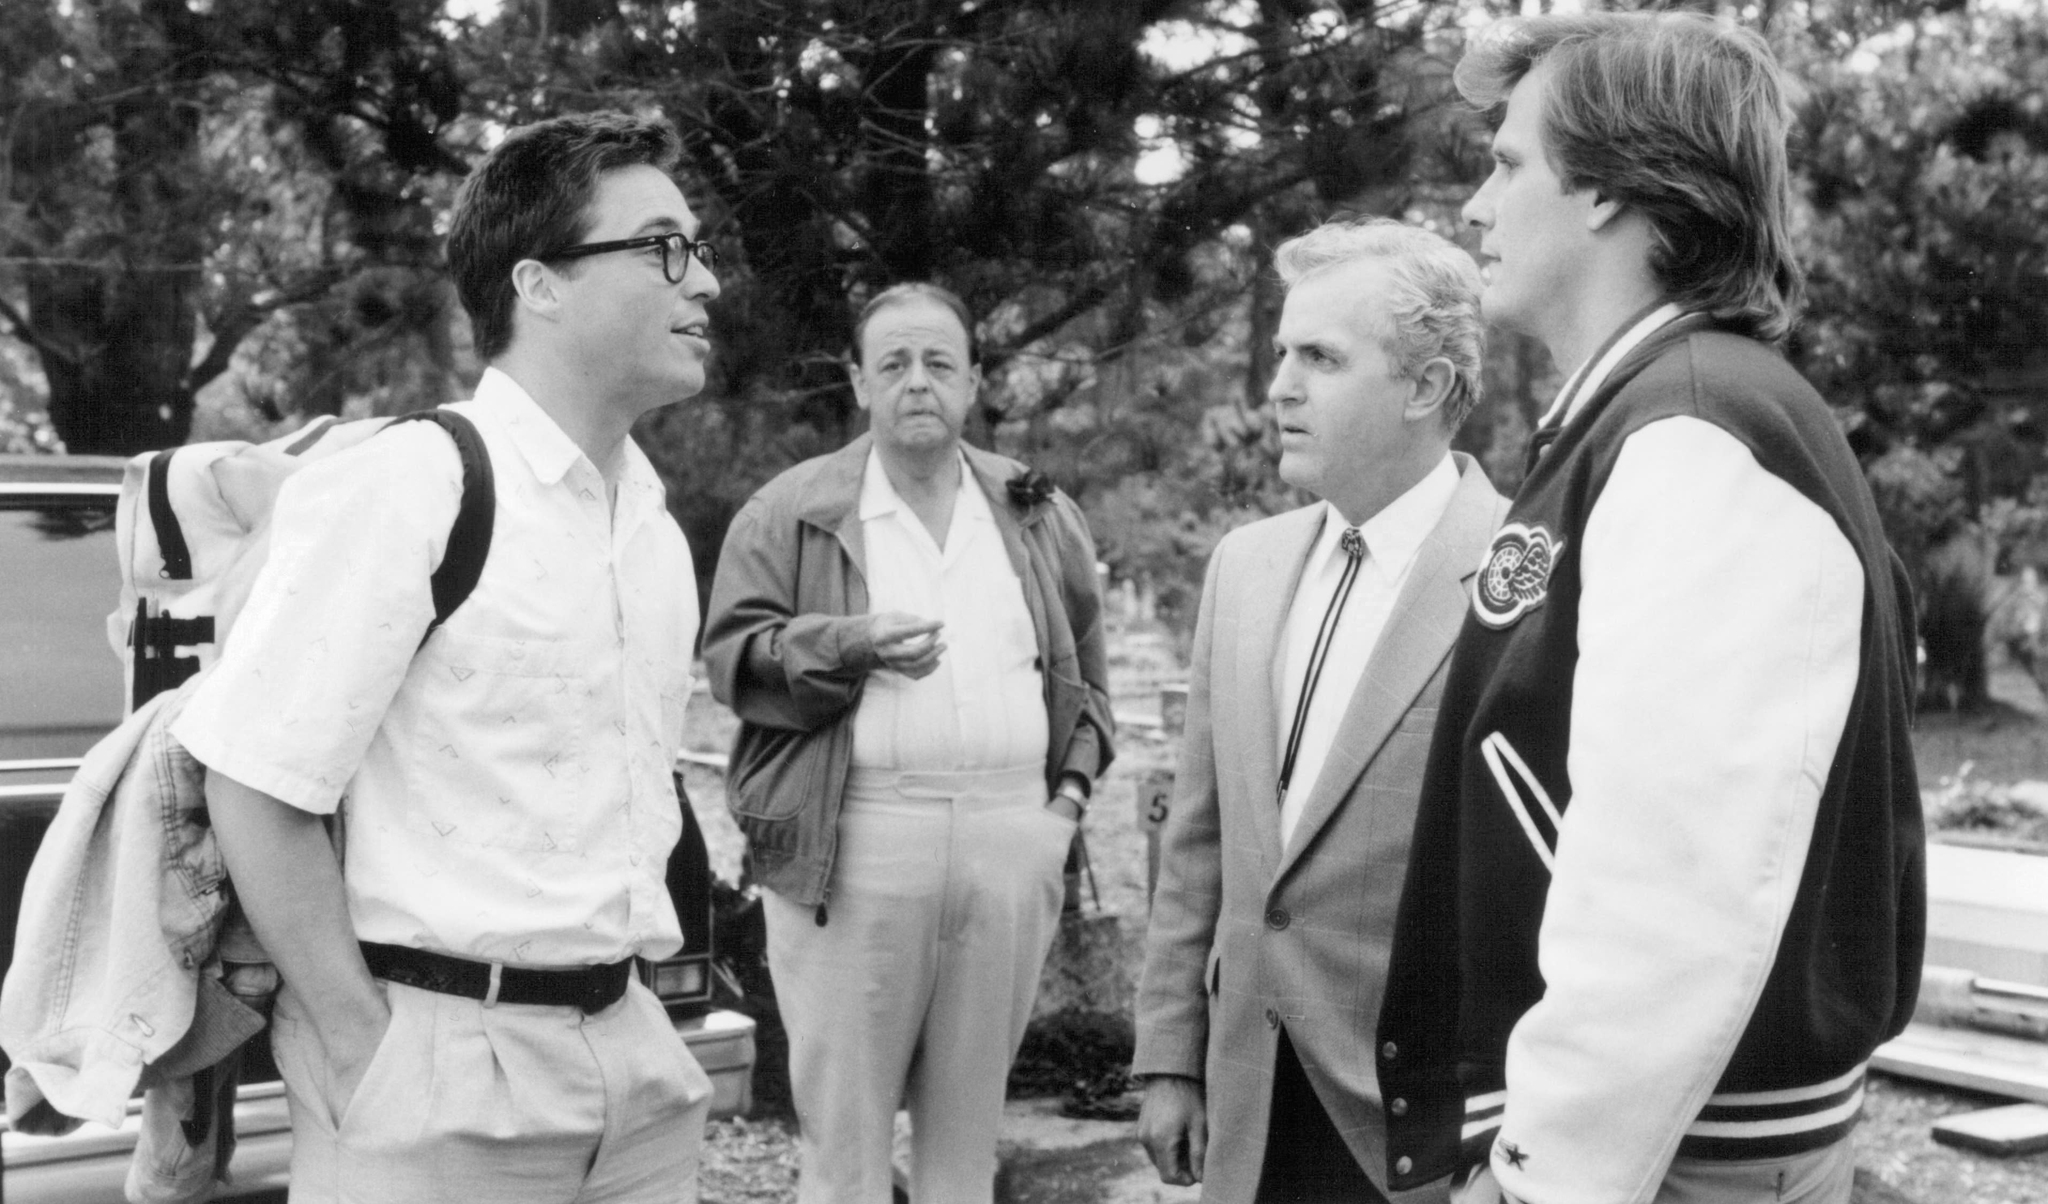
[(170, 536), (469, 538), (312, 434)]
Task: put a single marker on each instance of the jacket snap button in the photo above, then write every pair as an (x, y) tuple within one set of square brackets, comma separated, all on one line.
[(1272, 1018), (1390, 1051), (1403, 1165), (1398, 1107), (1277, 919)]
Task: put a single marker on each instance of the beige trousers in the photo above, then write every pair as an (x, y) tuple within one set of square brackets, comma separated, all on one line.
[(945, 896), (509, 1104), (1821, 1176)]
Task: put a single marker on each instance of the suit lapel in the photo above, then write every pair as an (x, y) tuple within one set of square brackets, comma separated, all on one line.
[(1265, 590), (1418, 635)]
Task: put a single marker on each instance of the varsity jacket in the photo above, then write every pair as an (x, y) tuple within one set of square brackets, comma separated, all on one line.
[(1583, 1001)]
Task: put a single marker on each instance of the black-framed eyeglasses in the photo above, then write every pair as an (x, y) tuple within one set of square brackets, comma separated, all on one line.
[(676, 252)]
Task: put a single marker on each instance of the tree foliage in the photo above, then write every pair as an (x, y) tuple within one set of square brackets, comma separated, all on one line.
[(1923, 150), (1925, 162), (250, 193), (180, 171)]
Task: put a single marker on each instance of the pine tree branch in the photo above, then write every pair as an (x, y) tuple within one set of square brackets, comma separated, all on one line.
[(26, 331), (239, 321)]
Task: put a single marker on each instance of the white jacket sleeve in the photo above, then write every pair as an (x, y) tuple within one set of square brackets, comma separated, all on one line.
[(1719, 629)]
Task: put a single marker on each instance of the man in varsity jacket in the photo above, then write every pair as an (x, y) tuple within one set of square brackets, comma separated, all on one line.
[(1667, 887)]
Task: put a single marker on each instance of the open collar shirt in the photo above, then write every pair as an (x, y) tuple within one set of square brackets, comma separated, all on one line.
[(984, 706), (506, 787), (1392, 537)]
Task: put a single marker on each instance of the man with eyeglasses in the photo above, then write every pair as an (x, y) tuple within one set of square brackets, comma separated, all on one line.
[(459, 1017)]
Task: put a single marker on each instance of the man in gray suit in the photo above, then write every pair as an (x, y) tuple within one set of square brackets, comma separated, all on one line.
[(1318, 659)]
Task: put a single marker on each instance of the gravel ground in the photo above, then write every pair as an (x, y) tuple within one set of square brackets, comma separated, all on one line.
[(1894, 1143), (748, 1162)]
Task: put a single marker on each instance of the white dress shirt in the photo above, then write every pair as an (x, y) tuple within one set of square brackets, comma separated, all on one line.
[(506, 786), (1392, 537), (984, 706), (1720, 624)]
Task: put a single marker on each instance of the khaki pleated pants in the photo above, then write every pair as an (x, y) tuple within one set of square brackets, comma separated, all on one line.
[(945, 897), (510, 1104)]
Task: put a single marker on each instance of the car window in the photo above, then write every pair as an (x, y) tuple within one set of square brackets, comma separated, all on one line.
[(59, 579)]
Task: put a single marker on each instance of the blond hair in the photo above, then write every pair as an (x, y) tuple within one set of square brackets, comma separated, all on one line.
[(1680, 116)]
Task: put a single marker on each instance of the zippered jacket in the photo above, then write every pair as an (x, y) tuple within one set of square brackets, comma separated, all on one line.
[(786, 646), (1666, 892)]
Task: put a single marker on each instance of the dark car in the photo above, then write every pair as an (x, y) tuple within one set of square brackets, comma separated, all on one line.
[(61, 690)]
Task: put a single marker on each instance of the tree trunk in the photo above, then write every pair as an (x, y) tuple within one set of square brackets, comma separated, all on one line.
[(1954, 587), (897, 187), (121, 389), (120, 378)]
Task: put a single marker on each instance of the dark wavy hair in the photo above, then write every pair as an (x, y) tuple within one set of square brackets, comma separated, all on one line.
[(529, 199), (1684, 118)]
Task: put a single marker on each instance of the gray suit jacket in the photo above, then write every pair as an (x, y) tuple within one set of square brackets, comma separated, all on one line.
[(1244, 937)]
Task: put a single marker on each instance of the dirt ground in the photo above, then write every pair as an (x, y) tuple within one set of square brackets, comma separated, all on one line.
[(752, 1161), (1894, 1143), (2007, 742), (748, 1162)]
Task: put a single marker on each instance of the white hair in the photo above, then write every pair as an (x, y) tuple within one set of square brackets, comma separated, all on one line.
[(1432, 307)]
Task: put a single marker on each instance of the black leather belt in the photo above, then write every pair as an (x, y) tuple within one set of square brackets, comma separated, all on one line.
[(592, 988)]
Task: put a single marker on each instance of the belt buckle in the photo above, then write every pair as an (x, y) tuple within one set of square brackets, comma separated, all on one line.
[(434, 976), (595, 988)]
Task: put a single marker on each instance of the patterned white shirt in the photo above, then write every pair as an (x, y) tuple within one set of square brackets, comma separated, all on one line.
[(984, 706), (505, 787)]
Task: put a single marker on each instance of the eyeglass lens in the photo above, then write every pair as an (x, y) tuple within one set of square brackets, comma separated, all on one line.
[(675, 249)]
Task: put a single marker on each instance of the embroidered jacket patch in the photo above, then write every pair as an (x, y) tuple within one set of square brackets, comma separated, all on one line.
[(1516, 576)]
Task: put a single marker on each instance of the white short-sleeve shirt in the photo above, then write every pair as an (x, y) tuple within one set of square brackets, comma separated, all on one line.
[(506, 787)]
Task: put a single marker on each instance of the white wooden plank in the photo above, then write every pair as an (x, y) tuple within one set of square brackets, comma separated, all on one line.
[(2006, 1132), (1987, 1062)]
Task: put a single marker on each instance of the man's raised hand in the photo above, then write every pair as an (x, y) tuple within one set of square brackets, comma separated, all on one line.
[(906, 643)]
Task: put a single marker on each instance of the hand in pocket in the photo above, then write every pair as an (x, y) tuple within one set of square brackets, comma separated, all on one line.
[(349, 1055)]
